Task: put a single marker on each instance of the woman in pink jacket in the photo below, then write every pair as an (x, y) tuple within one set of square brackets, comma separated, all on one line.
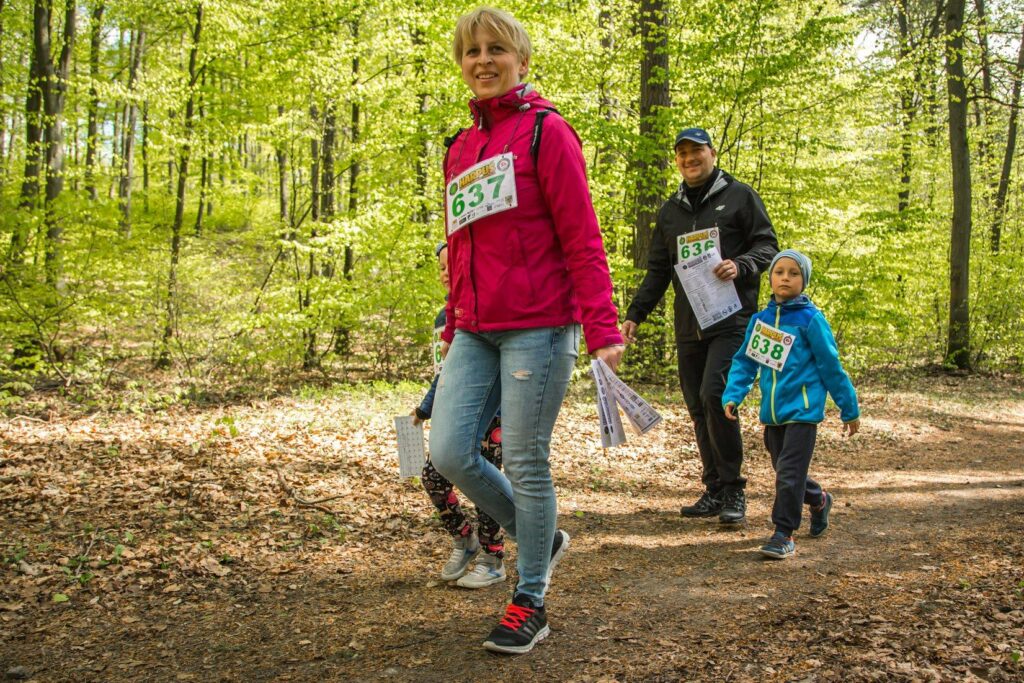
[(527, 267)]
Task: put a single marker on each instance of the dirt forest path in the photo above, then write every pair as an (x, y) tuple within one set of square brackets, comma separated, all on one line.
[(171, 545)]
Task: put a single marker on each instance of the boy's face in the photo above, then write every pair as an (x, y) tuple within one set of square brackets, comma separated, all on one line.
[(442, 265), (786, 279)]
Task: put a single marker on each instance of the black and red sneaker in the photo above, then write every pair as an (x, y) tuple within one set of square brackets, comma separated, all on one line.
[(522, 627)]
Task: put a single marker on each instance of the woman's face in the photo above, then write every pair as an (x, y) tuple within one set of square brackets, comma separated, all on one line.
[(491, 67)]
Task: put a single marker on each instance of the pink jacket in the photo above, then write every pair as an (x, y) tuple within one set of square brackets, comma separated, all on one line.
[(541, 264)]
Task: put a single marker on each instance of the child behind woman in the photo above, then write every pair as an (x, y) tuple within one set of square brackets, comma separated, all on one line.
[(793, 395), (490, 568)]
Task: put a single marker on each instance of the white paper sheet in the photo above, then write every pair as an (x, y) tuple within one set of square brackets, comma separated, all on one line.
[(411, 452), (612, 433), (712, 299), (612, 392), (641, 415)]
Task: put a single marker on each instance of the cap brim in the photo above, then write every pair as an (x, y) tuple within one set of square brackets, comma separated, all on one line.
[(693, 139)]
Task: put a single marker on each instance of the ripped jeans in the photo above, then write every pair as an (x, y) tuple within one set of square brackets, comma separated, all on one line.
[(528, 371)]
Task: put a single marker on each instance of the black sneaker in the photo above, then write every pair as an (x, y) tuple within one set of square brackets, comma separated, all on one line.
[(559, 546), (734, 507), (522, 627), (708, 505)]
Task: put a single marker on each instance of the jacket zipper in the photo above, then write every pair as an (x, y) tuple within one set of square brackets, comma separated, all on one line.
[(807, 404), (778, 316), (693, 228), (475, 321)]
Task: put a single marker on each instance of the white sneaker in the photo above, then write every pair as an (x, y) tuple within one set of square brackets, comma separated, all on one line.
[(464, 550), (488, 571)]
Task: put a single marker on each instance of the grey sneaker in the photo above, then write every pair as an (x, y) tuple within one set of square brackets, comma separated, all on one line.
[(487, 571), (464, 549), (819, 516), (778, 547)]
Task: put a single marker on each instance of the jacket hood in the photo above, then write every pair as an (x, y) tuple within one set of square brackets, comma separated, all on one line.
[(521, 98)]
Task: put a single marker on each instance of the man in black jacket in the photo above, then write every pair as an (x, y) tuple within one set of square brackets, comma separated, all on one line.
[(711, 208)]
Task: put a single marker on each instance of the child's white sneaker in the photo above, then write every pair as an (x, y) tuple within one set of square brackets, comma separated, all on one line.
[(464, 550), (487, 571)]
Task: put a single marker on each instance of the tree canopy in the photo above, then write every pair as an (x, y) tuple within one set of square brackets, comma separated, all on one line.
[(239, 190)]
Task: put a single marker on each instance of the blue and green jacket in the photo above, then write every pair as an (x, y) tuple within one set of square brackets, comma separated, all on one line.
[(797, 392)]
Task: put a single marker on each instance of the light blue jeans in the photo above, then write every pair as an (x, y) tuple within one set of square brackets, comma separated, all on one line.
[(527, 372)]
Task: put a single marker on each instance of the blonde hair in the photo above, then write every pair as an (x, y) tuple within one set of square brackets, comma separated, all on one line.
[(501, 25)]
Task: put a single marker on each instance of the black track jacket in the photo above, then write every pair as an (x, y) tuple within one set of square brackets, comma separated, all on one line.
[(746, 236)]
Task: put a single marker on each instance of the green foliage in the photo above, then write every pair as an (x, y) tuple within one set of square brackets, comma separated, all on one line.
[(803, 100)]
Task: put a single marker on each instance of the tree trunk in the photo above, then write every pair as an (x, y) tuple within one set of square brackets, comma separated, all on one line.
[(651, 158), (606, 100), (116, 133), (145, 157), (282, 174), (958, 344), (125, 188), (983, 104), (53, 86), (32, 179), (309, 354), (314, 171), (92, 128), (3, 115), (327, 182), (908, 110), (203, 164), (353, 176), (423, 198), (999, 207), (164, 359)]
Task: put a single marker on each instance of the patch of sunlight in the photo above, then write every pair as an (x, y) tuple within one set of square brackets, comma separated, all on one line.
[(888, 479)]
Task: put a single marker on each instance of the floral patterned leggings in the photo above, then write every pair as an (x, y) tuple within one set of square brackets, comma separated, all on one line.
[(444, 499)]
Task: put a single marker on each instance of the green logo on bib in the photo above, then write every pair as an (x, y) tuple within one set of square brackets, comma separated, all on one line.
[(453, 189)]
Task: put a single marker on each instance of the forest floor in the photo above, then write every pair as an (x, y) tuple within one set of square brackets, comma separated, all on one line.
[(171, 545)]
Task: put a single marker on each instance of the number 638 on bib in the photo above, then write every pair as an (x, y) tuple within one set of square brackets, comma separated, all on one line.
[(769, 346)]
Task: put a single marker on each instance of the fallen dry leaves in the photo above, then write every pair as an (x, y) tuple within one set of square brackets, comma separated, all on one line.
[(272, 540)]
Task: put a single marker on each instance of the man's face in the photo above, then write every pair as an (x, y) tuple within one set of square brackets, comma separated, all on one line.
[(695, 162)]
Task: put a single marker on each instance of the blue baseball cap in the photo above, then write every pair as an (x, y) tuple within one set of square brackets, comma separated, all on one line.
[(698, 135)]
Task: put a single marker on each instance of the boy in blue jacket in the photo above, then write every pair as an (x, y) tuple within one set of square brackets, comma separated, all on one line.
[(791, 344)]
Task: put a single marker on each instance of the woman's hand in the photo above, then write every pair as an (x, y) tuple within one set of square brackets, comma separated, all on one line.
[(610, 355), (416, 418), (444, 349), (852, 427), (730, 411)]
